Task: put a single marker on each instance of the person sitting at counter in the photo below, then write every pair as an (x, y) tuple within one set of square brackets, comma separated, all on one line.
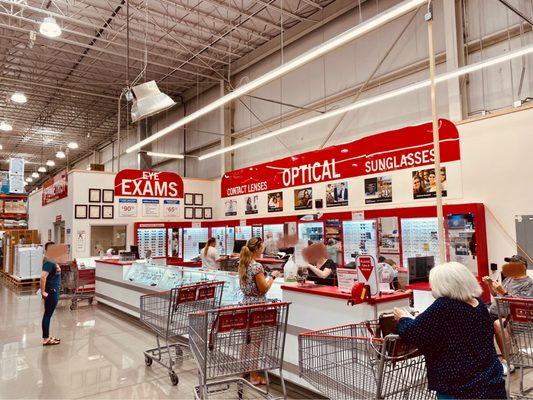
[(209, 255), (321, 269)]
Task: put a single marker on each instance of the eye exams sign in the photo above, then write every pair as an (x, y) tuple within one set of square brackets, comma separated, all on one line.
[(137, 183), (404, 148)]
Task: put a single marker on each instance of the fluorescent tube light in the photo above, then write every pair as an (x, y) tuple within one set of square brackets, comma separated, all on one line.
[(329, 45), (165, 155), (376, 99)]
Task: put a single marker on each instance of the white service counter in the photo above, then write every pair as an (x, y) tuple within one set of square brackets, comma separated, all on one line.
[(120, 285)]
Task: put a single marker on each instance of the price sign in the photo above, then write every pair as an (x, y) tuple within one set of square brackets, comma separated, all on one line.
[(127, 207), (171, 208), (346, 277)]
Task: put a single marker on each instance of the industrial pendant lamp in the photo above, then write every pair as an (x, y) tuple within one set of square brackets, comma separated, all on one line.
[(50, 28), (148, 100)]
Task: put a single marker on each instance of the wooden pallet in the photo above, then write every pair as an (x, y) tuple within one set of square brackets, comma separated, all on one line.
[(17, 282)]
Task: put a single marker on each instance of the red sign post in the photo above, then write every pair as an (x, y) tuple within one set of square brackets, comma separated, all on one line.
[(137, 183), (55, 188), (404, 148)]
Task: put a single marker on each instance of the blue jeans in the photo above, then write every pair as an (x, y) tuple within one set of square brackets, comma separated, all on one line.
[(442, 396), (50, 304)]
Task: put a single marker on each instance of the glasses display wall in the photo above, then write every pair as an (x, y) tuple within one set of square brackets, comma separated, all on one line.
[(192, 237), (311, 231), (359, 238), (420, 240), (462, 240), (151, 239), (220, 235), (243, 232), (257, 231), (230, 239)]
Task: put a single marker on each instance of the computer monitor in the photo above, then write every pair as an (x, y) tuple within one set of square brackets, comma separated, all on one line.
[(419, 268), (238, 245), (201, 246), (135, 250)]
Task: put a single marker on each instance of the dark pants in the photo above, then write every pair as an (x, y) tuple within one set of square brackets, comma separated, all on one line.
[(50, 304)]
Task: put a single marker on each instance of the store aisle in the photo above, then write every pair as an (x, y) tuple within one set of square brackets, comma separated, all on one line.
[(100, 355)]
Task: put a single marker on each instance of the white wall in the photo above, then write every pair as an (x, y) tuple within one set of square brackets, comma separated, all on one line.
[(42, 218)]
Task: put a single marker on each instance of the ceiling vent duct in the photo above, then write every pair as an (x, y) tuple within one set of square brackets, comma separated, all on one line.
[(148, 100)]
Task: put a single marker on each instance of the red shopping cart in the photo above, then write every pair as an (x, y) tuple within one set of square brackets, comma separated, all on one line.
[(166, 314), (229, 342), (354, 362), (517, 315)]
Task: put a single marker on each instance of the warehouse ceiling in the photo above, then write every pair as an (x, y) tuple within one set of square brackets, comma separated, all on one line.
[(72, 82)]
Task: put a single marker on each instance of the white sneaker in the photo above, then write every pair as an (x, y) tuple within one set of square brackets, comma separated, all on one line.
[(505, 371)]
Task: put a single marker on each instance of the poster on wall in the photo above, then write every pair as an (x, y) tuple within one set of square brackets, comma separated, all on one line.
[(171, 208), (150, 207), (337, 194), (55, 188), (275, 202), (303, 199), (251, 206), (230, 208), (425, 183), (127, 207), (378, 190)]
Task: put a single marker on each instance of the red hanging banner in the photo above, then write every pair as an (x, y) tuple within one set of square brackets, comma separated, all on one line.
[(137, 183), (55, 188), (404, 148)]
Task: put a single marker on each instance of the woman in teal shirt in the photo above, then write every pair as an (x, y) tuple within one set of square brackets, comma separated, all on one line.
[(50, 284)]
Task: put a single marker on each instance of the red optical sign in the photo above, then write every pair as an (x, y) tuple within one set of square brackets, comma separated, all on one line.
[(137, 183), (404, 148), (55, 188)]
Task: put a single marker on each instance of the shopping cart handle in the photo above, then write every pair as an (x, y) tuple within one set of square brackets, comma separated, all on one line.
[(392, 337)]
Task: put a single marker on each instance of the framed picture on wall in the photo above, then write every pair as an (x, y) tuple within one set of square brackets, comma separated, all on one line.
[(94, 211), (198, 213), (108, 212), (198, 199), (108, 195), (189, 212), (189, 199), (95, 196), (80, 211), (208, 213)]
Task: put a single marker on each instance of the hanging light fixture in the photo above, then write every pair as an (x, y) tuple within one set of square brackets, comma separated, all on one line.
[(148, 100), (19, 98), (6, 126), (72, 145), (60, 154), (35, 175), (42, 169), (51, 163), (29, 179), (50, 28), (1, 147), (26, 183)]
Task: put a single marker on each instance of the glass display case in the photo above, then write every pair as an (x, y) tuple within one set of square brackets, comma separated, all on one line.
[(164, 278), (192, 238), (359, 238), (311, 231), (151, 239)]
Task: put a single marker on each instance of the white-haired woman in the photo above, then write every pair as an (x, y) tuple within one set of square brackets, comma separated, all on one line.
[(455, 334)]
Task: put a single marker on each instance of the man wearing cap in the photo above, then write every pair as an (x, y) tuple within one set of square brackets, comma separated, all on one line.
[(517, 283)]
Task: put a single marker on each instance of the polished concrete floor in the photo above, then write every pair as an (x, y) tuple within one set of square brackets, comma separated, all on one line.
[(100, 355)]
